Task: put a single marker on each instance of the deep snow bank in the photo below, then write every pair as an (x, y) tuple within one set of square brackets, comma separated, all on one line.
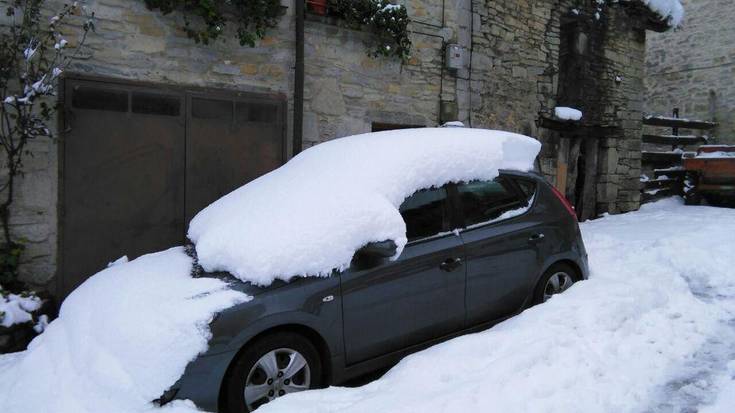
[(122, 338), (311, 215), (609, 344)]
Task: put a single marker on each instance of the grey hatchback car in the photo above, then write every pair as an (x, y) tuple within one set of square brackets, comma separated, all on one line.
[(477, 253)]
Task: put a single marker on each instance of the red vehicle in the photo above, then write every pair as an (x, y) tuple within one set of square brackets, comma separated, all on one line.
[(710, 175)]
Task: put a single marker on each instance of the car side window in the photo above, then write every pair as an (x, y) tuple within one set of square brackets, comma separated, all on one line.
[(527, 186), (425, 213), (484, 201)]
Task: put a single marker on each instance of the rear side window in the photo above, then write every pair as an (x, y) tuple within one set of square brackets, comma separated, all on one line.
[(425, 213), (484, 201), (527, 186)]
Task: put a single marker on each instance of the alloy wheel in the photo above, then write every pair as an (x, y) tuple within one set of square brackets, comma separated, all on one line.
[(276, 373), (557, 283)]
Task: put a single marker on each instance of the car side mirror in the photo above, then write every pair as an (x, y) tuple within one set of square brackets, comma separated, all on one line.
[(382, 249)]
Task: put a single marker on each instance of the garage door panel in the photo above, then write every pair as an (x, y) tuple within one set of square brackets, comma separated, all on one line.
[(123, 182), (226, 152), (138, 162)]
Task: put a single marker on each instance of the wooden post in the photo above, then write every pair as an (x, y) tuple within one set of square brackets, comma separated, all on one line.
[(589, 194), (562, 165)]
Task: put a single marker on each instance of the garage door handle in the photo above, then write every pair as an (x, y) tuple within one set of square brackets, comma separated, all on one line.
[(537, 237), (451, 264)]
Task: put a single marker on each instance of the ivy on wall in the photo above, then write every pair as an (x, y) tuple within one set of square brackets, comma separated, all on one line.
[(388, 22), (252, 17)]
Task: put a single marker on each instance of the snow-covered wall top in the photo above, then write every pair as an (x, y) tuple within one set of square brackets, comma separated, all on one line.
[(311, 215), (670, 10)]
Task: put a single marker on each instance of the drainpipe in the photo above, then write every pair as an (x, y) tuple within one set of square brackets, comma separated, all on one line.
[(298, 94)]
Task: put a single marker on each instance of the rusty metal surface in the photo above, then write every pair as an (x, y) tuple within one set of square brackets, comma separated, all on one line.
[(711, 167), (136, 164)]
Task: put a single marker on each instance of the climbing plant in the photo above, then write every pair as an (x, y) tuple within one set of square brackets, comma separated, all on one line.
[(33, 54), (388, 22), (252, 17)]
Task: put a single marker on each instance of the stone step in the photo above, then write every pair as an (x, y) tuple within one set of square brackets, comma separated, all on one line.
[(675, 139), (682, 123)]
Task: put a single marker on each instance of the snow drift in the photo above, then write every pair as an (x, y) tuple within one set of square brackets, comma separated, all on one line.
[(636, 337), (122, 338), (311, 215)]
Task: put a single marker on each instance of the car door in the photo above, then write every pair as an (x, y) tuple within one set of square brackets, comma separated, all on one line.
[(419, 296), (501, 238)]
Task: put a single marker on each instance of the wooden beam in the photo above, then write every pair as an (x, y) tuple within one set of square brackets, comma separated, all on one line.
[(577, 128), (675, 140), (682, 123)]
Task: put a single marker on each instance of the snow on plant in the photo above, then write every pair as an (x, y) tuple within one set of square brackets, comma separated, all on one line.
[(33, 54), (18, 308), (387, 21)]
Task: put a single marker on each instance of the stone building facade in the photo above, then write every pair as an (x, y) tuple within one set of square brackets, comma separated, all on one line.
[(693, 68), (514, 53)]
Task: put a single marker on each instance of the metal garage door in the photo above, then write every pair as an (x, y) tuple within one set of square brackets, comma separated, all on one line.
[(138, 162)]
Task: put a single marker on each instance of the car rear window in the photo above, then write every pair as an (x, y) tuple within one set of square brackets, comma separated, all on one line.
[(485, 201), (425, 213)]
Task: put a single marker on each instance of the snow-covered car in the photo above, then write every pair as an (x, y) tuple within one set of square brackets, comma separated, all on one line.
[(473, 247), (355, 253)]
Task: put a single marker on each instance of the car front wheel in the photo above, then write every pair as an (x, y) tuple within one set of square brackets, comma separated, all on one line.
[(271, 367)]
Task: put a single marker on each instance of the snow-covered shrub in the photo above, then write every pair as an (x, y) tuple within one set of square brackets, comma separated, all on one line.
[(33, 54), (18, 308), (388, 22)]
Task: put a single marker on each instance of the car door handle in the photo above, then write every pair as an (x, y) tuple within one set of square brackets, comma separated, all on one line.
[(451, 264), (537, 237)]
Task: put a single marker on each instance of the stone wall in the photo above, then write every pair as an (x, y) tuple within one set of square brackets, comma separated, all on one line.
[(515, 74), (514, 47), (693, 68)]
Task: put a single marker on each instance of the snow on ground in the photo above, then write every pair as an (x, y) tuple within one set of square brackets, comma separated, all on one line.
[(311, 215), (122, 338), (566, 113), (652, 330)]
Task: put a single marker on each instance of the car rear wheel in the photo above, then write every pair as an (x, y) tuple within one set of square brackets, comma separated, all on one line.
[(557, 279), (271, 367)]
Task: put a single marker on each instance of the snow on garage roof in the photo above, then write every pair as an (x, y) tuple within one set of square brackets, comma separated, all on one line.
[(311, 215)]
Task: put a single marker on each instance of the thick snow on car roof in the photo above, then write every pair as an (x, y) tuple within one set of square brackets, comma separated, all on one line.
[(308, 217)]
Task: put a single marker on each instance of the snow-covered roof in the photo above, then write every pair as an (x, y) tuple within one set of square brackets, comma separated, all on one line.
[(670, 11), (311, 215)]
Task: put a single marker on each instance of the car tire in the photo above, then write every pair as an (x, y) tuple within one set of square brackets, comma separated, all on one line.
[(565, 276), (254, 372)]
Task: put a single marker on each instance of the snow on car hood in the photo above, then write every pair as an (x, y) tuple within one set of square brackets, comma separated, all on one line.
[(311, 215), (122, 338)]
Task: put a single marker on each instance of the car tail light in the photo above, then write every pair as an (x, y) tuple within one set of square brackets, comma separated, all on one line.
[(564, 202)]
